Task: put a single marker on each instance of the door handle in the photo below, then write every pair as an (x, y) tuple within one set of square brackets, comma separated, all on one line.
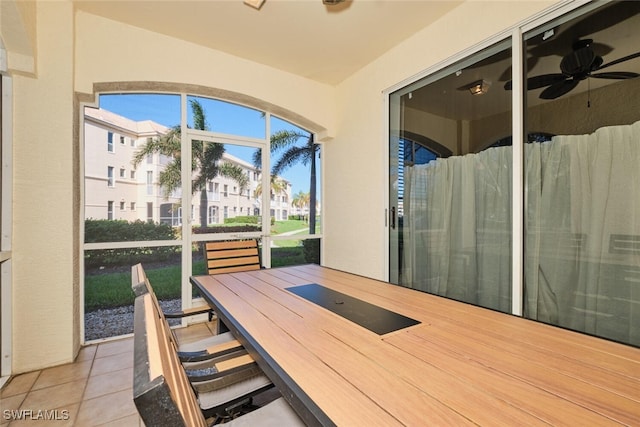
[(393, 217)]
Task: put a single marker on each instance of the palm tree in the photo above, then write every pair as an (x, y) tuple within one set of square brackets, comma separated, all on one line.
[(206, 161), (286, 141), (278, 186), (300, 200)]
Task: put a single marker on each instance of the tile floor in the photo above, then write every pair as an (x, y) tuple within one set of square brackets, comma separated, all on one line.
[(95, 390)]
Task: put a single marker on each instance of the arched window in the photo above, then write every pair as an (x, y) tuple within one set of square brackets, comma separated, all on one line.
[(418, 149)]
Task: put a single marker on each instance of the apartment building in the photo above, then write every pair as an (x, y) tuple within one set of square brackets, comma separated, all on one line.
[(115, 188)]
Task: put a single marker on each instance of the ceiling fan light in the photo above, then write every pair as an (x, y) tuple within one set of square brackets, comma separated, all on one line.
[(480, 87)]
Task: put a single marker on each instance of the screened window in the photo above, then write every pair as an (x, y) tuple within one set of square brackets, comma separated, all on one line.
[(181, 209), (110, 177)]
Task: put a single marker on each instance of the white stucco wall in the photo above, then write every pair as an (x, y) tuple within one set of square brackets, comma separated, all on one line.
[(45, 315)]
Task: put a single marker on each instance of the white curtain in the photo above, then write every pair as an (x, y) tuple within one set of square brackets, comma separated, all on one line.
[(582, 253), (456, 231), (582, 238)]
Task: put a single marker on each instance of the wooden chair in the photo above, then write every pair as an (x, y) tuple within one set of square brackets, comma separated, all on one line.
[(139, 285), (163, 394), (231, 256), (202, 350)]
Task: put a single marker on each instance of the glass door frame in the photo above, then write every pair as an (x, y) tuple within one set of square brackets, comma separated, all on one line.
[(188, 239)]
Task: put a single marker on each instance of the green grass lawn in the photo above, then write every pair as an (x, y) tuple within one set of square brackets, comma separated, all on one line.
[(108, 290), (290, 225), (113, 289)]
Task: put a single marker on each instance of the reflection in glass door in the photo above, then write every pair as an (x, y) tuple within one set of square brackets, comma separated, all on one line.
[(450, 186)]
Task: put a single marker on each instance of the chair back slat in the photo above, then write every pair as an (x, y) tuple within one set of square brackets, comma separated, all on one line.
[(232, 256)]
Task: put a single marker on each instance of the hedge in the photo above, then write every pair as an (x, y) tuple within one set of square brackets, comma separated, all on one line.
[(104, 230), (247, 219)]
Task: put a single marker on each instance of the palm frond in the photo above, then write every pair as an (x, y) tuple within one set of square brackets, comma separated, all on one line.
[(236, 173), (285, 138), (257, 159), (168, 145), (170, 178), (289, 158), (209, 157), (199, 119)]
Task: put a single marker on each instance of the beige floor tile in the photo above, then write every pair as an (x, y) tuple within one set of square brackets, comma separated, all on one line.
[(10, 404), (108, 408), (63, 374), (59, 417), (86, 353), (111, 348), (99, 385), (130, 421), (112, 363), (58, 396), (19, 384), (95, 390)]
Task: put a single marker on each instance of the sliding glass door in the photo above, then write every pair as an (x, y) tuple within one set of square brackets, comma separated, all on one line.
[(450, 190), (456, 169), (582, 188)]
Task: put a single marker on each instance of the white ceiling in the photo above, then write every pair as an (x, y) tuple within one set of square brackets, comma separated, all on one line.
[(303, 37)]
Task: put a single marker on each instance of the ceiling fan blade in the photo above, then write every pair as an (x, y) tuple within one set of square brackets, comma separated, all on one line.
[(537, 82), (558, 89), (616, 75), (543, 80), (617, 61)]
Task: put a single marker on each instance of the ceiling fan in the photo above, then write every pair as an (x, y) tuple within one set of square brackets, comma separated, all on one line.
[(579, 64)]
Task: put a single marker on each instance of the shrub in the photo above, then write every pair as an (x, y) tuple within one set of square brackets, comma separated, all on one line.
[(226, 229), (102, 230), (311, 250), (247, 219)]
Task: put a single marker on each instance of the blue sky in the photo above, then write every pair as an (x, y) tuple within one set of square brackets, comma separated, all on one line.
[(221, 117)]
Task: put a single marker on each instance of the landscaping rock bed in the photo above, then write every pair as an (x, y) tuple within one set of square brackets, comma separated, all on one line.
[(113, 322)]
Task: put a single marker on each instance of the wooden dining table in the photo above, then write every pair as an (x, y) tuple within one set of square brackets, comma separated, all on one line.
[(348, 350)]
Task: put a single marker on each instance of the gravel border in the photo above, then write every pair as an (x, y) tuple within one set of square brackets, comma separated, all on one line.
[(113, 322)]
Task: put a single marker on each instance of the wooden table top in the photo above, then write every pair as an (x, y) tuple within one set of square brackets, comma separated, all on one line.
[(461, 365)]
